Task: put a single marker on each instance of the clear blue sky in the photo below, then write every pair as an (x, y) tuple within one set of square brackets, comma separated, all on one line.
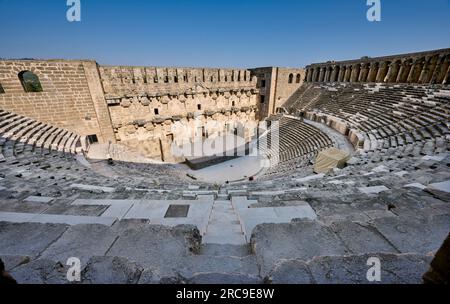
[(213, 33)]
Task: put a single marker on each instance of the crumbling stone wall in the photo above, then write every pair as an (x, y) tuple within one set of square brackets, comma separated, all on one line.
[(431, 67)]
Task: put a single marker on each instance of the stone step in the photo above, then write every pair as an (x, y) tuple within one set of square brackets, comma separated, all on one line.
[(228, 239), (225, 250), (223, 228)]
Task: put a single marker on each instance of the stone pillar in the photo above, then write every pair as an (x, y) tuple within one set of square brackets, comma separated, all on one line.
[(404, 71), (334, 73), (416, 69), (439, 70), (314, 75), (322, 74), (447, 77), (428, 69), (348, 73), (317, 74), (373, 72), (355, 72), (382, 71), (309, 75), (327, 74), (392, 73), (364, 73), (341, 75)]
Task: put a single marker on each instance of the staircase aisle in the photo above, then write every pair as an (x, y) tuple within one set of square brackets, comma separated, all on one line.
[(224, 226)]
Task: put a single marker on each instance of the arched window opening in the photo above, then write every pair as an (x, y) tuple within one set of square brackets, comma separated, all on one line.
[(166, 79), (233, 103), (226, 78), (185, 78), (212, 79), (291, 78), (2, 91), (199, 107), (155, 79), (298, 78), (175, 79), (30, 82), (156, 111)]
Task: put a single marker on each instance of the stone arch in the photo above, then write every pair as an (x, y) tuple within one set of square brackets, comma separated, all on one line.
[(30, 82), (291, 78), (298, 78)]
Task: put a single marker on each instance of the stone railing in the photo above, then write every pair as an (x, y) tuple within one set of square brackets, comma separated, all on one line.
[(432, 67)]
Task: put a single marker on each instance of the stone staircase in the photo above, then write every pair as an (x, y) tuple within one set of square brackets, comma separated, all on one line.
[(224, 226)]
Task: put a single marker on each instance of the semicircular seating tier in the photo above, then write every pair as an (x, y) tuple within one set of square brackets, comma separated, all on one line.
[(380, 117)]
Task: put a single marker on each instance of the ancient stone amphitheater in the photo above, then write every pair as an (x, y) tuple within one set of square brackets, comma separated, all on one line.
[(87, 171)]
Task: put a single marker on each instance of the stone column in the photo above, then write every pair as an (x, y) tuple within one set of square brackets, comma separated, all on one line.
[(447, 77), (314, 75), (341, 75), (309, 75), (392, 73), (382, 71), (334, 73), (416, 69), (348, 73), (405, 69), (318, 74), (373, 72), (327, 74), (322, 74), (364, 73), (427, 70), (355, 72), (440, 63)]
